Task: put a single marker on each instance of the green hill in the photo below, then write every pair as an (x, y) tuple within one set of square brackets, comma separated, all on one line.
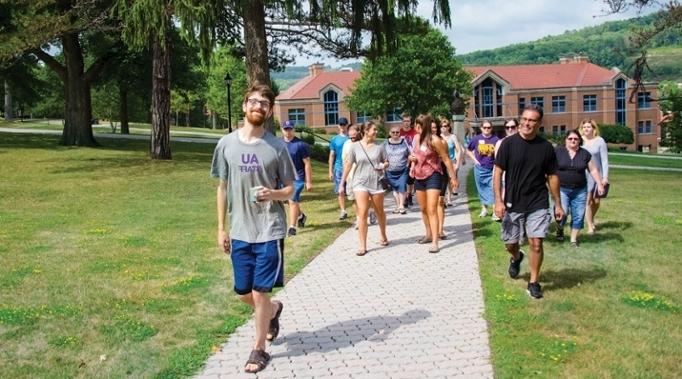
[(605, 44)]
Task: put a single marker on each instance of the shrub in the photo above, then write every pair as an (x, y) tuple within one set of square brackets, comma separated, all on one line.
[(616, 134), (319, 153)]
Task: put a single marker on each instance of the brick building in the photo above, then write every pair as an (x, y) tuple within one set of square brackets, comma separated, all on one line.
[(318, 100), (569, 91)]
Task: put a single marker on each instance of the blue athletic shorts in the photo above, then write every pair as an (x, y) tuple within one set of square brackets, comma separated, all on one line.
[(299, 185), (257, 266)]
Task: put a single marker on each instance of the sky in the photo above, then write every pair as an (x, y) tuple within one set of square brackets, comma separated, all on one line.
[(487, 24)]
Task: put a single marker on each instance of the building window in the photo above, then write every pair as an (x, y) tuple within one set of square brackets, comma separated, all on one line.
[(331, 108), (589, 103), (558, 130), (542, 129), (538, 100), (363, 117), (643, 100), (522, 104), (558, 104), (498, 104), (393, 115), (488, 99), (644, 127), (620, 101), (297, 115)]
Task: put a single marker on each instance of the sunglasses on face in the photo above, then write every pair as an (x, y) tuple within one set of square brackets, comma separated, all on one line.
[(572, 139), (510, 127)]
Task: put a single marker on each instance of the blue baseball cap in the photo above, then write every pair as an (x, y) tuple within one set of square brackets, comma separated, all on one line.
[(343, 121), (288, 124)]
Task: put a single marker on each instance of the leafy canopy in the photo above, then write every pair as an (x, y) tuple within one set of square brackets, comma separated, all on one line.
[(419, 78)]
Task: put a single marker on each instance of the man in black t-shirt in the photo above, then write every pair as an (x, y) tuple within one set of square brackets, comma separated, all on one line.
[(528, 162)]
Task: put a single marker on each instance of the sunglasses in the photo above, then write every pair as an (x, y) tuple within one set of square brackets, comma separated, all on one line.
[(486, 127), (395, 132), (573, 139), (510, 127)]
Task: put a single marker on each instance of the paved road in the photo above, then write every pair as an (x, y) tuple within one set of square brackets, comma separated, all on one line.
[(398, 312)]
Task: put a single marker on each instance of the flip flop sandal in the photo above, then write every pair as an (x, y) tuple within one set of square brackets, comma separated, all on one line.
[(383, 243), (443, 236), (434, 250), (361, 253), (424, 240), (273, 330), (259, 358)]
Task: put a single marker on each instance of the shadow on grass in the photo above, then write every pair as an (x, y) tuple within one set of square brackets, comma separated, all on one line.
[(568, 277), (346, 333), (479, 229), (620, 225), (600, 238)]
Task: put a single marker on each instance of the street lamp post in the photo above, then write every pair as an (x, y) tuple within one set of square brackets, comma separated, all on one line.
[(228, 83)]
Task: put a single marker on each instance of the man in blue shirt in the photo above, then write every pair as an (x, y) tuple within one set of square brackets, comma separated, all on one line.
[(298, 150), (336, 163)]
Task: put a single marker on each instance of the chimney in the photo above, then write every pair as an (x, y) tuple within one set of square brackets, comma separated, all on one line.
[(581, 58), (315, 69)]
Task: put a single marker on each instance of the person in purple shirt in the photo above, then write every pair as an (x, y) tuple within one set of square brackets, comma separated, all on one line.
[(298, 150), (481, 150)]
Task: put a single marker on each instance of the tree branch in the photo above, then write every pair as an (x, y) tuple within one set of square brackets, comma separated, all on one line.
[(52, 63)]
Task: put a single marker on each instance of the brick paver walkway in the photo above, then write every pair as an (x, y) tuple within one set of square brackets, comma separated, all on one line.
[(397, 312)]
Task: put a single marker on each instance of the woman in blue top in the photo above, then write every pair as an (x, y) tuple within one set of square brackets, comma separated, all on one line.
[(455, 152), (397, 150)]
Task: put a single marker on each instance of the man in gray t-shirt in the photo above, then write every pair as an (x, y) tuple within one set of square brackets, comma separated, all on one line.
[(256, 176)]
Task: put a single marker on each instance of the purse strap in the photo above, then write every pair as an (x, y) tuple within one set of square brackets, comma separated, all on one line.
[(367, 155)]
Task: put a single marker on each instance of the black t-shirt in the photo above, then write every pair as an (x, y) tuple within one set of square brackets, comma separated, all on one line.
[(571, 172), (526, 165)]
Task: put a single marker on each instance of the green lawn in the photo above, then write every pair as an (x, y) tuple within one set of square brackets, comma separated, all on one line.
[(109, 261), (611, 307), (638, 160)]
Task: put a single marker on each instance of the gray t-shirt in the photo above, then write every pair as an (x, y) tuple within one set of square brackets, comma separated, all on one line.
[(266, 163), (365, 175)]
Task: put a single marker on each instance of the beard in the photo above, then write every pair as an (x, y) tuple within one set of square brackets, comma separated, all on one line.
[(255, 118)]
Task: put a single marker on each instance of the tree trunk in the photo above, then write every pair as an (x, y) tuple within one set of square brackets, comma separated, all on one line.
[(123, 108), (159, 147), (187, 118), (78, 127), (256, 42), (8, 102), (257, 66), (214, 120)]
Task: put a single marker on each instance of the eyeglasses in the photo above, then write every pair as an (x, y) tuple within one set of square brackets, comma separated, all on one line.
[(510, 127), (572, 139), (486, 127), (262, 103)]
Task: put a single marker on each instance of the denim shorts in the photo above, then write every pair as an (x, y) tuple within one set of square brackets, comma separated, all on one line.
[(299, 185), (338, 174), (257, 266), (535, 223), (433, 182)]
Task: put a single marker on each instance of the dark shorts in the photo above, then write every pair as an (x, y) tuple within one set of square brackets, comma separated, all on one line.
[(435, 181), (257, 266)]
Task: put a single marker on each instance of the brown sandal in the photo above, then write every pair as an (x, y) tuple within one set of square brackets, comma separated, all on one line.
[(273, 330), (259, 358), (361, 253)]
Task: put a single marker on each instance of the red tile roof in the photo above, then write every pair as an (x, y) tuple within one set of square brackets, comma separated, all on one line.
[(549, 75), (309, 87)]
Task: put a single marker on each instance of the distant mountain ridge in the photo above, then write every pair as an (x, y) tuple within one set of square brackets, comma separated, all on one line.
[(605, 44)]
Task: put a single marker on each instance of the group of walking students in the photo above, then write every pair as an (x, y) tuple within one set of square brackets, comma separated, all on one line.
[(258, 172)]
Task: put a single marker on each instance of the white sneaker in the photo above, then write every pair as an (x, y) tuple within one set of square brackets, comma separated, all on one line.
[(483, 213), (495, 218)]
